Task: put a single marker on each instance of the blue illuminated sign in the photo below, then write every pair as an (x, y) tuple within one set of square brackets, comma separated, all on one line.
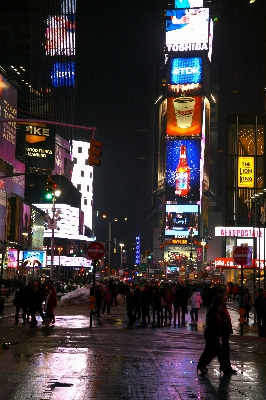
[(137, 257), (186, 70), (63, 74)]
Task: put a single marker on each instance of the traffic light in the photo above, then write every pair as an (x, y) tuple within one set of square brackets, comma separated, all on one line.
[(50, 188), (95, 152)]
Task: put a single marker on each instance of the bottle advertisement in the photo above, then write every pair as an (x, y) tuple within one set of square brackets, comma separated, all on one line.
[(182, 170)]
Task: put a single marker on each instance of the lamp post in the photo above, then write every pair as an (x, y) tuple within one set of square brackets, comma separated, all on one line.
[(121, 261), (52, 224), (203, 243), (109, 241), (25, 235), (191, 234)]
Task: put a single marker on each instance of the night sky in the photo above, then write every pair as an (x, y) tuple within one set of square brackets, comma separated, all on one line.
[(118, 51)]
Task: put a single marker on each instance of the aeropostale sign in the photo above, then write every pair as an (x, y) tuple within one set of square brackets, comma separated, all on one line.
[(238, 232)]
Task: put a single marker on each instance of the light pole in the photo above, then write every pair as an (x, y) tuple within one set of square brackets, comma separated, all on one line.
[(203, 243), (191, 234), (121, 261), (109, 241), (25, 235)]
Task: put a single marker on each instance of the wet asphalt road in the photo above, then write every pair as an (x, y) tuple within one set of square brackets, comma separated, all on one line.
[(72, 361)]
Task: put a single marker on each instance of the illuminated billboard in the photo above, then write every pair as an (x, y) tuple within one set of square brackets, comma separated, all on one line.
[(34, 259), (187, 29), (188, 3), (60, 35), (8, 106), (246, 178), (63, 74), (40, 145), (184, 116), (182, 176), (186, 70), (179, 219)]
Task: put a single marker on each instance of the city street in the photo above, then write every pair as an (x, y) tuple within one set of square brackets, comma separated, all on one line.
[(111, 361)]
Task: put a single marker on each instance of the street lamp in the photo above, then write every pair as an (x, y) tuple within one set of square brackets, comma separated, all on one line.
[(121, 261), (109, 241), (203, 243), (191, 234), (25, 235), (52, 224)]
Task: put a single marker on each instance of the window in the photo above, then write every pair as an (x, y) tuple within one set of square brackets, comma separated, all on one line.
[(91, 175), (79, 149), (85, 202), (88, 188), (75, 161), (82, 173), (79, 186)]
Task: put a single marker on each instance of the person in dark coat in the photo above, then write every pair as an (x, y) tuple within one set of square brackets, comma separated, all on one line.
[(50, 304), (130, 305), (35, 300), (156, 306), (212, 336), (226, 331), (184, 304), (137, 310), (177, 302), (258, 305), (145, 304), (20, 302)]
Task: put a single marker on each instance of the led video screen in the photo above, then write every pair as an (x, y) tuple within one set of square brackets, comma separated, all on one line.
[(184, 116), (179, 219), (60, 35), (182, 175), (188, 3), (186, 70), (63, 74), (187, 29), (34, 259)]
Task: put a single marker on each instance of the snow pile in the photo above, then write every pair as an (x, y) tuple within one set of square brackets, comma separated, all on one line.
[(80, 297)]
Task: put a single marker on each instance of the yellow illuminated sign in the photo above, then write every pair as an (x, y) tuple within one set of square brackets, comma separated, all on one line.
[(245, 172)]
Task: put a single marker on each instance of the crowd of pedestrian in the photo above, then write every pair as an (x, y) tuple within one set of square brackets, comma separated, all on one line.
[(105, 296), (35, 298)]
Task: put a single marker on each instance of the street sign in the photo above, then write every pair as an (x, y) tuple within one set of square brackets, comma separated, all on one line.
[(242, 255), (95, 250)]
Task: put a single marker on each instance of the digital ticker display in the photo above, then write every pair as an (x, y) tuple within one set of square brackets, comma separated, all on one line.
[(63, 74), (186, 70), (188, 3), (179, 219)]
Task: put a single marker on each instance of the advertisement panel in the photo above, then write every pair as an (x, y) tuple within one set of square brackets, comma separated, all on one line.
[(40, 146), (60, 35), (182, 178), (187, 29), (34, 258), (179, 219), (63, 74), (186, 70), (188, 3), (184, 116), (246, 178), (161, 149), (12, 258), (8, 109), (3, 209)]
